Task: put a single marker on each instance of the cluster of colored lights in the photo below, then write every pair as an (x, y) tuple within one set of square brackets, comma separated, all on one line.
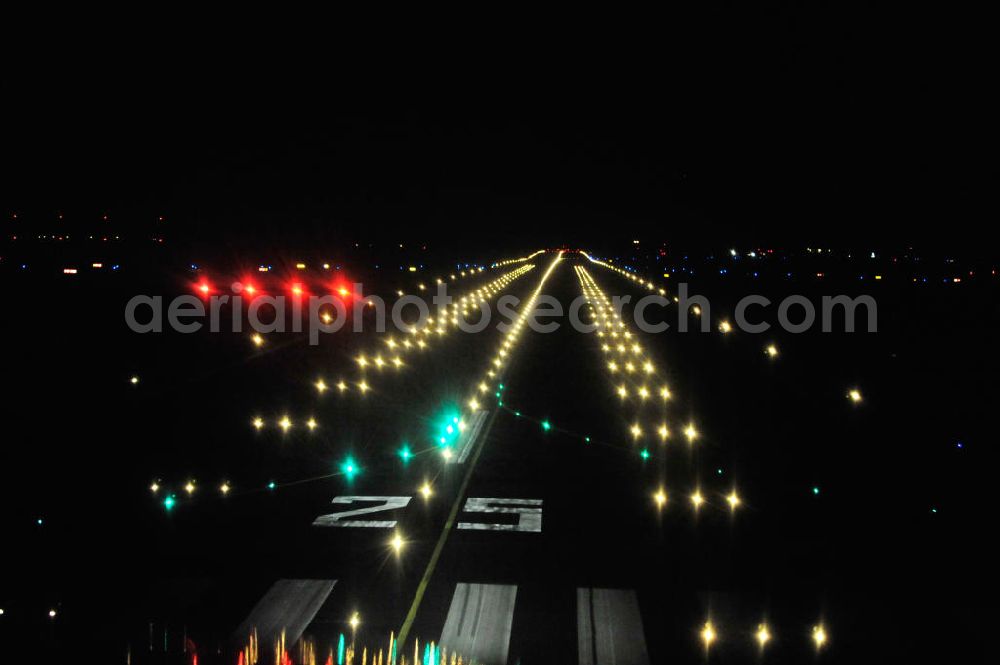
[(450, 428), (420, 336), (342, 386), (510, 336), (284, 423), (709, 635), (189, 488), (633, 373), (725, 327), (697, 499), (468, 272), (349, 651), (646, 284), (507, 262)]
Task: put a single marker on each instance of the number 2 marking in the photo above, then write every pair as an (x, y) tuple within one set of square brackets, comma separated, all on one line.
[(387, 503)]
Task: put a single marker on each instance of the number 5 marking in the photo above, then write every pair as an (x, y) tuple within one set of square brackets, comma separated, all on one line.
[(529, 520), (387, 503)]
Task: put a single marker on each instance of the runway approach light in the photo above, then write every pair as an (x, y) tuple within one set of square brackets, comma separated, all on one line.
[(819, 636), (763, 635), (708, 634), (697, 499), (257, 423)]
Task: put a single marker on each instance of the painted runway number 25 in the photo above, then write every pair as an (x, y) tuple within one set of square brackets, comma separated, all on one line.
[(528, 512)]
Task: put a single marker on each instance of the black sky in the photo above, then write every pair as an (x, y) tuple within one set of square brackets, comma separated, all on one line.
[(779, 126)]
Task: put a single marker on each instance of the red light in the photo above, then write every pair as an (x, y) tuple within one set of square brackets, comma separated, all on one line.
[(343, 292), (250, 289), (204, 288), (297, 289)]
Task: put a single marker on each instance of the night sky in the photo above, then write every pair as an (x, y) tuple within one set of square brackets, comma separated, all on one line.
[(778, 126)]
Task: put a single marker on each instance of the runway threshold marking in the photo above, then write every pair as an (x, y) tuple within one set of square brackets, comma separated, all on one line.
[(289, 606), (479, 622), (609, 627), (443, 538)]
